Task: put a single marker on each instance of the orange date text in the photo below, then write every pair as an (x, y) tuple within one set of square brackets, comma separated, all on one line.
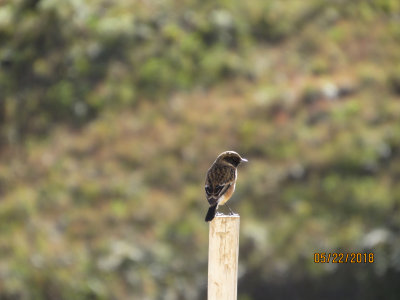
[(343, 258)]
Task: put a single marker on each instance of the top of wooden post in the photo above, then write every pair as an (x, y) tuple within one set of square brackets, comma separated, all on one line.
[(219, 215)]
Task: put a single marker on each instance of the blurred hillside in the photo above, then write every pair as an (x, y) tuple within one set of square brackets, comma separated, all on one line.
[(112, 111)]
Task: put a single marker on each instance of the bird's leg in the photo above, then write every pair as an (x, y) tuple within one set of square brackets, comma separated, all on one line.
[(232, 213), (218, 213)]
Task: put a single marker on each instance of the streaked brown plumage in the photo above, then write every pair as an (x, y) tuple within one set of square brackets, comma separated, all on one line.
[(221, 180)]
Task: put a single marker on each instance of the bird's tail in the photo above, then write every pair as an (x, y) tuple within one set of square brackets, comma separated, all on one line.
[(211, 212)]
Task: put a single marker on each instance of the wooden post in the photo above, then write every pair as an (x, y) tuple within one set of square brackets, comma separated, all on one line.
[(223, 254)]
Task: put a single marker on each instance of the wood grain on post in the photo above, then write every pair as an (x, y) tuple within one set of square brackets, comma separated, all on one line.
[(223, 254)]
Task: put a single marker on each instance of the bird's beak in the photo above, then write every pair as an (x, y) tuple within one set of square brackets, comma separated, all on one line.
[(244, 160)]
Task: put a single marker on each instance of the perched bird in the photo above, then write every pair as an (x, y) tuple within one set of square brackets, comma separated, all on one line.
[(221, 180)]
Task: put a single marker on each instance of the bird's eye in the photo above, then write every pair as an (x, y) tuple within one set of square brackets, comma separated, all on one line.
[(208, 190)]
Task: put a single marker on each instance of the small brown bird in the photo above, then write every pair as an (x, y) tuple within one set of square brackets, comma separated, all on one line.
[(221, 180)]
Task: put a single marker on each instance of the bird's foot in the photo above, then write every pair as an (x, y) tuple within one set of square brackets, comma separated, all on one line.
[(231, 213)]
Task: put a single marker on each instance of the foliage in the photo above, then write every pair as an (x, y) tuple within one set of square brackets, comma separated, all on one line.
[(112, 111)]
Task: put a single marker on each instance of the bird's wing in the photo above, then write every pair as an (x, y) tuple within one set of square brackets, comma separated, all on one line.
[(214, 193)]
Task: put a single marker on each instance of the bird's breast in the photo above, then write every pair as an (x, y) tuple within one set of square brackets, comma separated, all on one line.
[(227, 195)]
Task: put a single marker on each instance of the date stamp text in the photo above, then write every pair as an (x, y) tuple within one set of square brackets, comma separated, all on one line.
[(343, 258)]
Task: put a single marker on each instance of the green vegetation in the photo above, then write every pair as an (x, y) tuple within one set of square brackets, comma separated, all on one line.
[(112, 111)]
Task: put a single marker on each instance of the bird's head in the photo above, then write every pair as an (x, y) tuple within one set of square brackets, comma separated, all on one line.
[(231, 157)]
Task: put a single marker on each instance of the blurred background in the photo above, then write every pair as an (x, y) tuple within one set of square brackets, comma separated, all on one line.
[(111, 112)]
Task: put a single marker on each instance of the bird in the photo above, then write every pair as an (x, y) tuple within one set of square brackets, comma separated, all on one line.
[(221, 180)]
